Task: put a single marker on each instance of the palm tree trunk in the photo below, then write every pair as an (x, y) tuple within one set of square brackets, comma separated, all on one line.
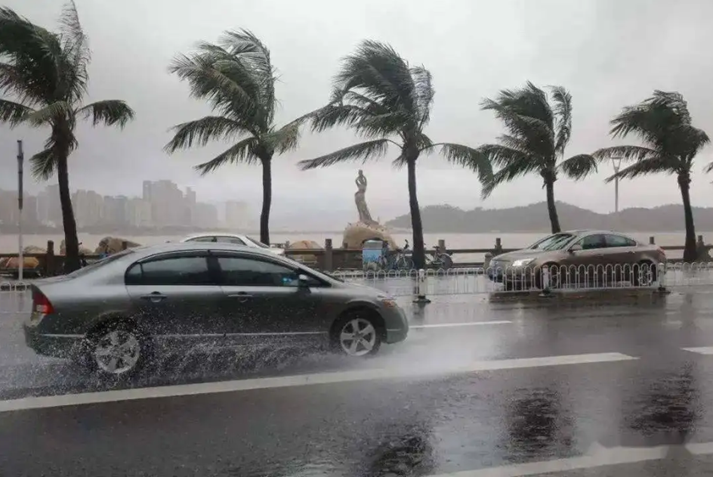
[(71, 242), (419, 255), (689, 250), (551, 207), (266, 200)]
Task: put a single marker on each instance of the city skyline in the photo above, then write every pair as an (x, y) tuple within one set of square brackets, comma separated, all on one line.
[(161, 204)]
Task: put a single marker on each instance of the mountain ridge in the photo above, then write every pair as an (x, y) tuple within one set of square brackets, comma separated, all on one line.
[(534, 218)]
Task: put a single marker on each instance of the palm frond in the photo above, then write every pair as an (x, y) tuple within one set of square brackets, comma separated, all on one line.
[(636, 153), (650, 165), (517, 166), (284, 139), (43, 164), (255, 56), (13, 113), (335, 114), (535, 132), (379, 72), (108, 112), (52, 113), (708, 168), (32, 54), (76, 52), (202, 131), (501, 155), (364, 151), (469, 158), (563, 115), (240, 153), (223, 82), (423, 92), (579, 166)]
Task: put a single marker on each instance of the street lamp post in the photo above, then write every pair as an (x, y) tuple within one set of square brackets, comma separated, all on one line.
[(616, 162), (20, 194)]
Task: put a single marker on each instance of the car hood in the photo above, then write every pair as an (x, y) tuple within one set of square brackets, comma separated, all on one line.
[(359, 289), (520, 255)]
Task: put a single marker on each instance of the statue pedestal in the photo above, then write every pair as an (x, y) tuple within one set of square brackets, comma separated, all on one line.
[(356, 234)]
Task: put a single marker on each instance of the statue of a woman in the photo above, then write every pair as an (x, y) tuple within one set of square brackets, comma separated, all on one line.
[(359, 198)]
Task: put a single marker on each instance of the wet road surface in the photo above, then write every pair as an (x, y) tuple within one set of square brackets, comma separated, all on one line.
[(477, 390)]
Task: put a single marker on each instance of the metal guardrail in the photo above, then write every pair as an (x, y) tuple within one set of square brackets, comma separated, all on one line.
[(15, 296)]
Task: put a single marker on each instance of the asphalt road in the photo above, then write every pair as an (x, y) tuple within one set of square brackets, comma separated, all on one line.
[(479, 389)]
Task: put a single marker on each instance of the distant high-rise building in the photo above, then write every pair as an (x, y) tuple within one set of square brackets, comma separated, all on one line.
[(116, 211), (139, 212), (167, 203), (88, 207), (236, 214), (49, 210)]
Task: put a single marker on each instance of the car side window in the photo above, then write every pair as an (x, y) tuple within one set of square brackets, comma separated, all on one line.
[(248, 272), (235, 240), (619, 241), (591, 242), (183, 270)]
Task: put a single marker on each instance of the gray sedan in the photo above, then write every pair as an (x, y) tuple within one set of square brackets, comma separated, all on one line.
[(111, 314)]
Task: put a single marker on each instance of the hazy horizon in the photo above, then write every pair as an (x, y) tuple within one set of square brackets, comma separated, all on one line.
[(608, 54)]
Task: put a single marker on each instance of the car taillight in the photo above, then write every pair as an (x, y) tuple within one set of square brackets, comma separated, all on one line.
[(41, 304), (661, 251)]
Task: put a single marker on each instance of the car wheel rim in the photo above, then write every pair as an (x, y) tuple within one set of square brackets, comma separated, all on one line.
[(117, 352), (358, 337)]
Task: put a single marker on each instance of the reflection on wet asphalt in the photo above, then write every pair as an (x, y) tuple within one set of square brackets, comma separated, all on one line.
[(449, 420)]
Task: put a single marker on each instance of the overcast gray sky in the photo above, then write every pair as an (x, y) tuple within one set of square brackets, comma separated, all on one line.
[(608, 53)]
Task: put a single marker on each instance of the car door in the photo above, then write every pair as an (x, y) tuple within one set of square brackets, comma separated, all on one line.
[(264, 301), (176, 296), (586, 262), (621, 254)]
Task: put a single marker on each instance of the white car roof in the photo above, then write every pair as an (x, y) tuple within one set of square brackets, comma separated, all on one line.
[(214, 234)]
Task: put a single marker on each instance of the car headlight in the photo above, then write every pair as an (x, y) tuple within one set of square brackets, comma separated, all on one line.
[(522, 262)]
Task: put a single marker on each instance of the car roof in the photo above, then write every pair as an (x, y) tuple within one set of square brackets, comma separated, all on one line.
[(593, 231)]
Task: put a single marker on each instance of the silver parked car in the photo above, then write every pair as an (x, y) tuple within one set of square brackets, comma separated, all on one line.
[(111, 314), (236, 239)]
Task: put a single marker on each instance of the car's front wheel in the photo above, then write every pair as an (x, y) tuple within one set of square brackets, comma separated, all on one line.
[(357, 334), (118, 350)]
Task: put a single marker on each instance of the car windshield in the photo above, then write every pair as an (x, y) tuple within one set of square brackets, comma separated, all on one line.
[(257, 242), (552, 242)]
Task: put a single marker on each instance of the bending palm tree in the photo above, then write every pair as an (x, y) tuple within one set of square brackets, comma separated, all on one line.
[(537, 137), (236, 77), (671, 143), (46, 73), (381, 97)]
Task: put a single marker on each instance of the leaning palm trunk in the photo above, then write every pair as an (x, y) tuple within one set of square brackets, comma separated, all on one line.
[(419, 252), (690, 253), (71, 241), (266, 201), (552, 207)]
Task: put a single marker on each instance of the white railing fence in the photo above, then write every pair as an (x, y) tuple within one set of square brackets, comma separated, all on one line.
[(15, 296)]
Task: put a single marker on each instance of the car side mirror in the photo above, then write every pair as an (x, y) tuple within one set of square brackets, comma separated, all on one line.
[(575, 248), (302, 281)]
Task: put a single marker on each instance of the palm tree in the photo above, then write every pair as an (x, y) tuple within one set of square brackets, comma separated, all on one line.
[(381, 97), (45, 73), (237, 79), (663, 124), (538, 134)]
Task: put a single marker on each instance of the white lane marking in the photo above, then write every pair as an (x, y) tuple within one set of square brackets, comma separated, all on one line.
[(455, 325), (700, 448), (700, 350), (597, 456), (303, 380)]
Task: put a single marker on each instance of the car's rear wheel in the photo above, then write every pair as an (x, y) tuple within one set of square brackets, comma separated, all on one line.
[(117, 350), (357, 334)]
